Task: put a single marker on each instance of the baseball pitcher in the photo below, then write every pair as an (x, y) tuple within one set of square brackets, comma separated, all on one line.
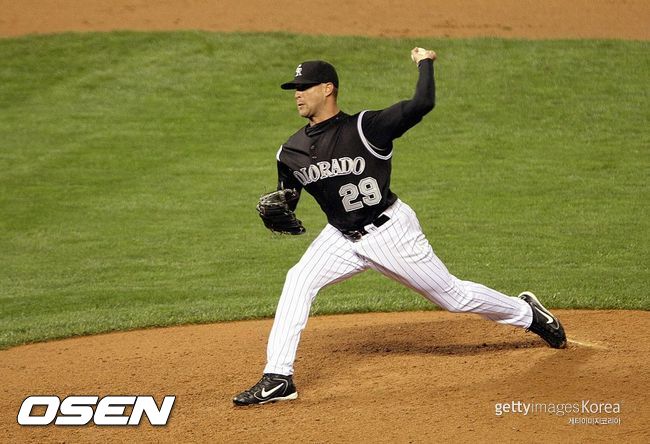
[(344, 162)]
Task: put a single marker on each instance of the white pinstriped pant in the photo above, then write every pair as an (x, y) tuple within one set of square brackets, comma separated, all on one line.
[(397, 249)]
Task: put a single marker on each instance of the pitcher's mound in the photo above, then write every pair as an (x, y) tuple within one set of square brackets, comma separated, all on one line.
[(399, 377)]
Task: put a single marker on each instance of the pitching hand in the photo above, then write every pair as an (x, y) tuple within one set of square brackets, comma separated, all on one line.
[(418, 54)]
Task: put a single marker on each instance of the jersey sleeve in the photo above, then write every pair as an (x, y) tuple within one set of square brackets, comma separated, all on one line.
[(383, 126), (287, 180)]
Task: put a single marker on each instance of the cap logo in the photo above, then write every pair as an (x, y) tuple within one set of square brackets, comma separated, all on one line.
[(299, 70)]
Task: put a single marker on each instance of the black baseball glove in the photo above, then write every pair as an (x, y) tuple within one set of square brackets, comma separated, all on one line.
[(275, 211)]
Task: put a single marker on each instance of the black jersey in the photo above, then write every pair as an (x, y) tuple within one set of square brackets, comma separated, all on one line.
[(345, 161)]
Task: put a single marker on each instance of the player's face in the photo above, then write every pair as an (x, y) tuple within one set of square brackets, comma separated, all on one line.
[(310, 100)]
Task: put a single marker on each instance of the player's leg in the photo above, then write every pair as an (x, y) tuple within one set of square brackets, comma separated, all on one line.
[(400, 250), (329, 259)]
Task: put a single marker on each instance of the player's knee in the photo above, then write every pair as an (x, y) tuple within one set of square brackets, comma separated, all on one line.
[(299, 277), (464, 305), (459, 308), (296, 274), (458, 300), (293, 274)]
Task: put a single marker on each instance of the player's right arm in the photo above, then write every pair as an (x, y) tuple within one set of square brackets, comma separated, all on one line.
[(382, 127)]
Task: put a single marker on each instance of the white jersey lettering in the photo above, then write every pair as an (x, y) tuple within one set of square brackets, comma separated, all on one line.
[(333, 168)]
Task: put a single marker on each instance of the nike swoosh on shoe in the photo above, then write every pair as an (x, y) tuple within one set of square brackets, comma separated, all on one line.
[(266, 394), (549, 319)]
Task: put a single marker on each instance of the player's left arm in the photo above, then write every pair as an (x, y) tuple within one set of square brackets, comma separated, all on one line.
[(382, 127), (286, 181)]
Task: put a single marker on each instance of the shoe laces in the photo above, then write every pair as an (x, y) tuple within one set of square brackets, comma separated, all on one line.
[(259, 386)]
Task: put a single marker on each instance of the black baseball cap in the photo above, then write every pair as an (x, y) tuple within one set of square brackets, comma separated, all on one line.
[(313, 72)]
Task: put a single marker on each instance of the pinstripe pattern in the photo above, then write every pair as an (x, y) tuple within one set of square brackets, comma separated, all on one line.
[(397, 249), (328, 260)]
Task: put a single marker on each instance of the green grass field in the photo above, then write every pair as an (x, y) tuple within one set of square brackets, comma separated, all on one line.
[(130, 165)]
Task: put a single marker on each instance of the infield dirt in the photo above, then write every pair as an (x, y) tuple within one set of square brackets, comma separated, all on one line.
[(620, 19), (401, 377)]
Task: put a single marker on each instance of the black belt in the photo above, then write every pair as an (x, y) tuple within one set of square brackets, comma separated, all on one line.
[(355, 235)]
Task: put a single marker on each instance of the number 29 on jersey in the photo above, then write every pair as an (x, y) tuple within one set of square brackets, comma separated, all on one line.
[(368, 189)]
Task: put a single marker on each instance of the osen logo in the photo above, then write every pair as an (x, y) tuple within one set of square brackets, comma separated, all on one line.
[(108, 411)]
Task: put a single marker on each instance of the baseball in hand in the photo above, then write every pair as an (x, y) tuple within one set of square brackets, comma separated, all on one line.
[(418, 54)]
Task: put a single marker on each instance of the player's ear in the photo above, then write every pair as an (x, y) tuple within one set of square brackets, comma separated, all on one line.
[(329, 89)]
